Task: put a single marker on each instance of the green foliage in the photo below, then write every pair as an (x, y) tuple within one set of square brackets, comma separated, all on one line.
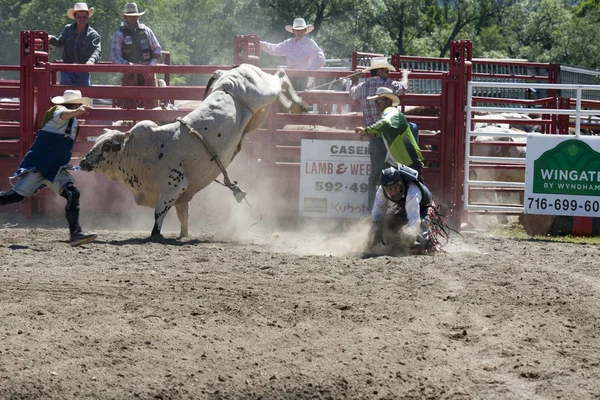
[(588, 8), (201, 32), (516, 231)]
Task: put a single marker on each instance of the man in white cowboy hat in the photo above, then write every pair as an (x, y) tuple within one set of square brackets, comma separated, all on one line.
[(135, 43), (80, 44), (392, 126), (46, 162), (301, 52), (379, 77)]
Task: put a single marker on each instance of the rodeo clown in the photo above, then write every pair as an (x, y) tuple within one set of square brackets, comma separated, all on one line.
[(412, 202), (46, 162)]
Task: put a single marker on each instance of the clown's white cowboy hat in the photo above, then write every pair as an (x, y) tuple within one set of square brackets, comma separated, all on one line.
[(299, 24), (380, 63), (71, 97), (385, 92), (80, 7), (131, 10)]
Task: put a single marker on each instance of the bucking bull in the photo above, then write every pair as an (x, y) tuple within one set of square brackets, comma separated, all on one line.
[(165, 166)]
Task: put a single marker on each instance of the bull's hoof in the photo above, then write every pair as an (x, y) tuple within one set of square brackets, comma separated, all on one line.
[(156, 238)]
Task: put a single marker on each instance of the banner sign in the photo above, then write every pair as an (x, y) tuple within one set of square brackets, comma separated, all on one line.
[(562, 176), (334, 176)]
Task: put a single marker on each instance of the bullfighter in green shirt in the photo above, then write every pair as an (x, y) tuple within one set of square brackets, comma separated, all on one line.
[(393, 127)]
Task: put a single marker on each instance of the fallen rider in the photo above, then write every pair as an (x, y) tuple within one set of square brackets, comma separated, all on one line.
[(406, 226)]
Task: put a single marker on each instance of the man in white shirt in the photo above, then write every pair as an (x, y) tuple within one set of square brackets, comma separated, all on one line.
[(301, 52)]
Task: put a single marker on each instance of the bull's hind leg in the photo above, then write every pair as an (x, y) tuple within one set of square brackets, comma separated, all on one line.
[(175, 186), (182, 214)]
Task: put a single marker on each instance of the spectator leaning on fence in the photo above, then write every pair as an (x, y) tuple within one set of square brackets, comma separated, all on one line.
[(135, 43), (301, 52), (380, 77), (80, 44)]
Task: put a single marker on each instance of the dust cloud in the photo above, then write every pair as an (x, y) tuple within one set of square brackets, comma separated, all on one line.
[(262, 217)]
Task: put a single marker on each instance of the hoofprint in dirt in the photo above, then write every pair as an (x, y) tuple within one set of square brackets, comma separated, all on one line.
[(276, 317)]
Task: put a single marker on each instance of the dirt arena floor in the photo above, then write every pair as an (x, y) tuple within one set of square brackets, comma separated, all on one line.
[(266, 312)]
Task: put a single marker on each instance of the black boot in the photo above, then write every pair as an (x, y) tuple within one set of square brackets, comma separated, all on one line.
[(78, 236), (10, 197)]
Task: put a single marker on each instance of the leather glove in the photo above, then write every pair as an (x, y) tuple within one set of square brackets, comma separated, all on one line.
[(377, 235), (378, 238)]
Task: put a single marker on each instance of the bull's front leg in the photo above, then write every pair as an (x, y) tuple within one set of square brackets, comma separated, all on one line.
[(176, 185)]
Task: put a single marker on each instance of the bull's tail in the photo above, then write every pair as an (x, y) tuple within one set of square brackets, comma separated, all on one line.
[(212, 78), (297, 105)]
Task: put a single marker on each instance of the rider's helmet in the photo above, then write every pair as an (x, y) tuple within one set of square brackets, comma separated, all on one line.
[(391, 181)]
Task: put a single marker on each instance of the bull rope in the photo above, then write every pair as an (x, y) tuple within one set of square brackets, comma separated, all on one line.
[(237, 192), (438, 229), (332, 81)]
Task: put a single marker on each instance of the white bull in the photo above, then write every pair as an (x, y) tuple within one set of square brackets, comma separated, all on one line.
[(165, 166)]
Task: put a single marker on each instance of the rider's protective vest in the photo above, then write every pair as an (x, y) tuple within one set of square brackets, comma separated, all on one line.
[(136, 45), (408, 175)]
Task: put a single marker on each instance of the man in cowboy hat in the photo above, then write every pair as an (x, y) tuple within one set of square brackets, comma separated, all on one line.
[(135, 43), (46, 162), (301, 52), (380, 77), (80, 44), (401, 145)]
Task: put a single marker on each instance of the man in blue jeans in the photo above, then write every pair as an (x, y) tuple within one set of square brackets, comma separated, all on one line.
[(80, 44), (380, 71)]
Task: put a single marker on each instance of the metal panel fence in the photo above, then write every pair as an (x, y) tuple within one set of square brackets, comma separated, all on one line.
[(579, 76)]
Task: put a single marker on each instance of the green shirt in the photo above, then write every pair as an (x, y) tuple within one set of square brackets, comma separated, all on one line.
[(399, 140)]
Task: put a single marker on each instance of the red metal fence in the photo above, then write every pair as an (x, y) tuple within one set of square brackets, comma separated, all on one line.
[(273, 152)]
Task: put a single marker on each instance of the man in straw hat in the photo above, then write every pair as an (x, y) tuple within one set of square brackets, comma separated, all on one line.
[(135, 43), (379, 77), (301, 52), (80, 44), (392, 126), (46, 162)]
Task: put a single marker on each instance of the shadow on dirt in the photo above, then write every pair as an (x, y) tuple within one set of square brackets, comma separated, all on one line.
[(161, 240)]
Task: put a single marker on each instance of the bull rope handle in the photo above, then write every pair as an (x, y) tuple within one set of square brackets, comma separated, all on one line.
[(213, 154)]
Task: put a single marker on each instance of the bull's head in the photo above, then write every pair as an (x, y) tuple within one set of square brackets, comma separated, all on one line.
[(105, 150)]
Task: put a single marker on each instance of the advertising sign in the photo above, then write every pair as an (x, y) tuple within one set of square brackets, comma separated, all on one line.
[(334, 177), (562, 176)]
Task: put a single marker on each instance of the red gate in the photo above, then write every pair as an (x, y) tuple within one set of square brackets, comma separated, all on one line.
[(273, 152)]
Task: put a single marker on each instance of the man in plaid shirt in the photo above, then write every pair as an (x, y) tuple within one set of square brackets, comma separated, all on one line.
[(380, 72)]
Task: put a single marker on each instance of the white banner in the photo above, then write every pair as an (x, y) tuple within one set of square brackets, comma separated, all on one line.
[(334, 176), (562, 176)]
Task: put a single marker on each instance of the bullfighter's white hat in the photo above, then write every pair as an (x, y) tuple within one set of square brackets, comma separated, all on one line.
[(71, 97), (385, 92)]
